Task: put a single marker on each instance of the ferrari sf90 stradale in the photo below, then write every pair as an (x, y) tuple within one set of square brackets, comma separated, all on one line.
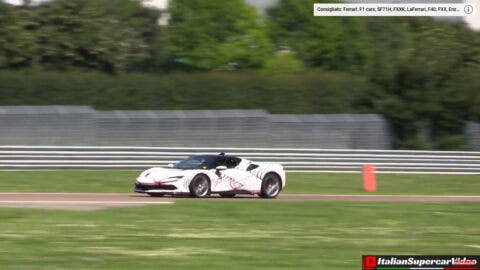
[(221, 174)]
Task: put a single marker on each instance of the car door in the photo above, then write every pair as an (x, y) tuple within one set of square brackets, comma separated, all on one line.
[(236, 179), (220, 181)]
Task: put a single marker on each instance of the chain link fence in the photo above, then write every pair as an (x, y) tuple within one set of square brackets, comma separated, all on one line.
[(81, 125), (84, 126), (472, 132)]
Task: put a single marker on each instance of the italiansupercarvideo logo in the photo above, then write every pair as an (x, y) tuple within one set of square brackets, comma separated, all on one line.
[(403, 262), (369, 262)]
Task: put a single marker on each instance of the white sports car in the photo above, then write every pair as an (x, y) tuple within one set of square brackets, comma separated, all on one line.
[(203, 175)]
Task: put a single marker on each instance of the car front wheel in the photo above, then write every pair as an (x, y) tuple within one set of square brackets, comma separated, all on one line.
[(200, 186), (271, 186)]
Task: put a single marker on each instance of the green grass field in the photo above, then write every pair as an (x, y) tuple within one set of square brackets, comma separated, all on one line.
[(261, 234), (325, 183), (196, 234)]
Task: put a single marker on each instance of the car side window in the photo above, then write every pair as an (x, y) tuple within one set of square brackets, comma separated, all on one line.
[(252, 167), (221, 161), (229, 162), (232, 162)]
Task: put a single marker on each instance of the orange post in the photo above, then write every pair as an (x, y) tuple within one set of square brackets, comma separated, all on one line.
[(369, 181)]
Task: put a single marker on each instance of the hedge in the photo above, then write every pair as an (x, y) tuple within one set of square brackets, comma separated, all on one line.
[(309, 92)]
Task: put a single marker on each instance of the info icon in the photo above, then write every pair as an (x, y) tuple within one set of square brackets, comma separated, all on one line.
[(369, 262), (468, 9)]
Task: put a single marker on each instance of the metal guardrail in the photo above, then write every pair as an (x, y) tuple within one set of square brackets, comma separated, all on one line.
[(315, 160)]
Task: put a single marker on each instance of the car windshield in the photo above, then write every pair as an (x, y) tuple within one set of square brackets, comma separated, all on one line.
[(197, 162)]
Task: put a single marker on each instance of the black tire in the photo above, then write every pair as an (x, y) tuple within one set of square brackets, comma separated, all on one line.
[(227, 195), (271, 186), (156, 194), (200, 186)]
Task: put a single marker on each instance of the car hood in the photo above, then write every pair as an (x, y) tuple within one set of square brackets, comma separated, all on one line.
[(156, 175)]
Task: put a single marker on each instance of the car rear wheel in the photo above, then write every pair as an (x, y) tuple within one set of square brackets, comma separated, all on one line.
[(200, 186), (271, 186)]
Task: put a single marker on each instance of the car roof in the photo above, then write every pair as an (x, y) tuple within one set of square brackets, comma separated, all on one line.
[(215, 156)]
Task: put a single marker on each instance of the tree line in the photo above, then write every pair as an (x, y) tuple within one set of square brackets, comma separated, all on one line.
[(422, 74)]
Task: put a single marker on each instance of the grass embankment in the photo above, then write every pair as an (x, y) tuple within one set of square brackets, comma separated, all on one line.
[(263, 234), (234, 235), (198, 234), (324, 183)]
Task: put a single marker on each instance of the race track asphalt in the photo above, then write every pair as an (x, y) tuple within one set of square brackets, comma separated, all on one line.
[(93, 201)]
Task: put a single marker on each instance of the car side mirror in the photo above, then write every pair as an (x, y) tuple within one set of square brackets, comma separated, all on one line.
[(221, 168), (170, 165)]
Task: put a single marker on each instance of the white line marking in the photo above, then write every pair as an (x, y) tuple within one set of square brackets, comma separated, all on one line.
[(377, 172), (414, 172), (388, 196), (69, 193), (85, 202)]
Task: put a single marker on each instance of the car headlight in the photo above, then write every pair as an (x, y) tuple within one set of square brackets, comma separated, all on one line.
[(143, 174)]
